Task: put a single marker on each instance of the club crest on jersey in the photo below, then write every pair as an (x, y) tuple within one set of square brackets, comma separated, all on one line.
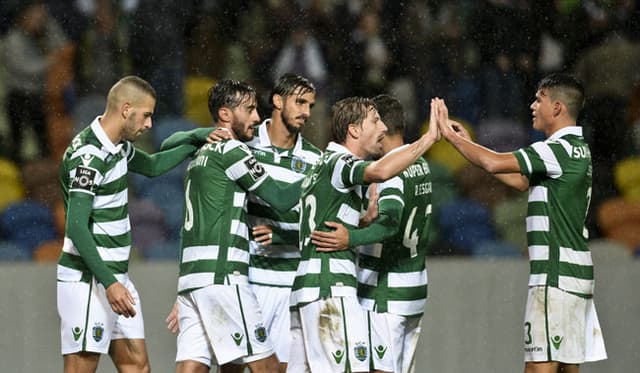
[(361, 351), (97, 332), (84, 178), (298, 165), (256, 170), (260, 333)]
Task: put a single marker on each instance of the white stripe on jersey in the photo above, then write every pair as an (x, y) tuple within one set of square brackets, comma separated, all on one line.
[(567, 147), (538, 279), (394, 182), (90, 150), (344, 291), (239, 228), (309, 266), (575, 284), (538, 252), (238, 169), (537, 223), (240, 200), (572, 256), (406, 307), (68, 274), (115, 254), (367, 303), (265, 276), (538, 194), (345, 266), (374, 250), (554, 170), (304, 295), (392, 197), (368, 277), (195, 253), (116, 172), (195, 280), (348, 215), (112, 228), (407, 279), (526, 160), (237, 255), (111, 200), (282, 174)]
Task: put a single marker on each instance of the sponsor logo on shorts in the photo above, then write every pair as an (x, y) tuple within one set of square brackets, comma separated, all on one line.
[(533, 349), (98, 332), (237, 338), (261, 333), (77, 332), (337, 356), (298, 165), (380, 351), (361, 351), (556, 340)]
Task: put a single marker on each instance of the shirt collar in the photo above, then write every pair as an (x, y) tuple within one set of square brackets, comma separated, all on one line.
[(265, 141), (570, 130), (335, 147), (103, 138)]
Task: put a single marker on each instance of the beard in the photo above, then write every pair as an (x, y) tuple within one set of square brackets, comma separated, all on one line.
[(291, 128)]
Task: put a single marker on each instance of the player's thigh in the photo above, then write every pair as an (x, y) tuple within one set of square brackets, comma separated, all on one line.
[(274, 305), (129, 355), (191, 366), (86, 319), (233, 323), (81, 362), (541, 367), (328, 345)]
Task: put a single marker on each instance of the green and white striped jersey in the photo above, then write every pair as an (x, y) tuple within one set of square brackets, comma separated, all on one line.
[(276, 264), (215, 235), (559, 172), (392, 276), (331, 192), (93, 165)]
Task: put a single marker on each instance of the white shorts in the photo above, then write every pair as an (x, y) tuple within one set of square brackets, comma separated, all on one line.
[(221, 324), (329, 335), (562, 327), (274, 304), (394, 339), (87, 322)]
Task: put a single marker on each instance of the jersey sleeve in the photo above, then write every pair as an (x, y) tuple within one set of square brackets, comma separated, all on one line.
[(538, 161), (348, 172), (242, 167)]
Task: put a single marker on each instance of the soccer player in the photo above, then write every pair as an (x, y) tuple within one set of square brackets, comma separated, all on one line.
[(561, 328), (328, 324), (280, 148), (98, 305), (392, 278), (219, 316)]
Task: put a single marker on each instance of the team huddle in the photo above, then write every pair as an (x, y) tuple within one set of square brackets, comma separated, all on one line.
[(298, 260)]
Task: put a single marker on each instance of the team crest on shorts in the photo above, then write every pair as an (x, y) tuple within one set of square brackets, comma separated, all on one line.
[(261, 333), (298, 164), (361, 351), (97, 332)]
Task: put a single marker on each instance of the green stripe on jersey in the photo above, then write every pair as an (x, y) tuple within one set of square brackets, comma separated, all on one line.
[(286, 166), (402, 255), (91, 150), (560, 174)]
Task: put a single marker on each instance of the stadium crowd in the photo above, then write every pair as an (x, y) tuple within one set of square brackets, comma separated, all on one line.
[(59, 59)]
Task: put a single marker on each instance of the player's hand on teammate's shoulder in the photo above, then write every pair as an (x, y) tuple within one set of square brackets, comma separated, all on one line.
[(121, 300), (218, 135)]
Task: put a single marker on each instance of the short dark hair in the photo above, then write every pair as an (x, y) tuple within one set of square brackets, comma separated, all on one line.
[(288, 83), (351, 110), (391, 113), (230, 94), (565, 88), (140, 84)]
